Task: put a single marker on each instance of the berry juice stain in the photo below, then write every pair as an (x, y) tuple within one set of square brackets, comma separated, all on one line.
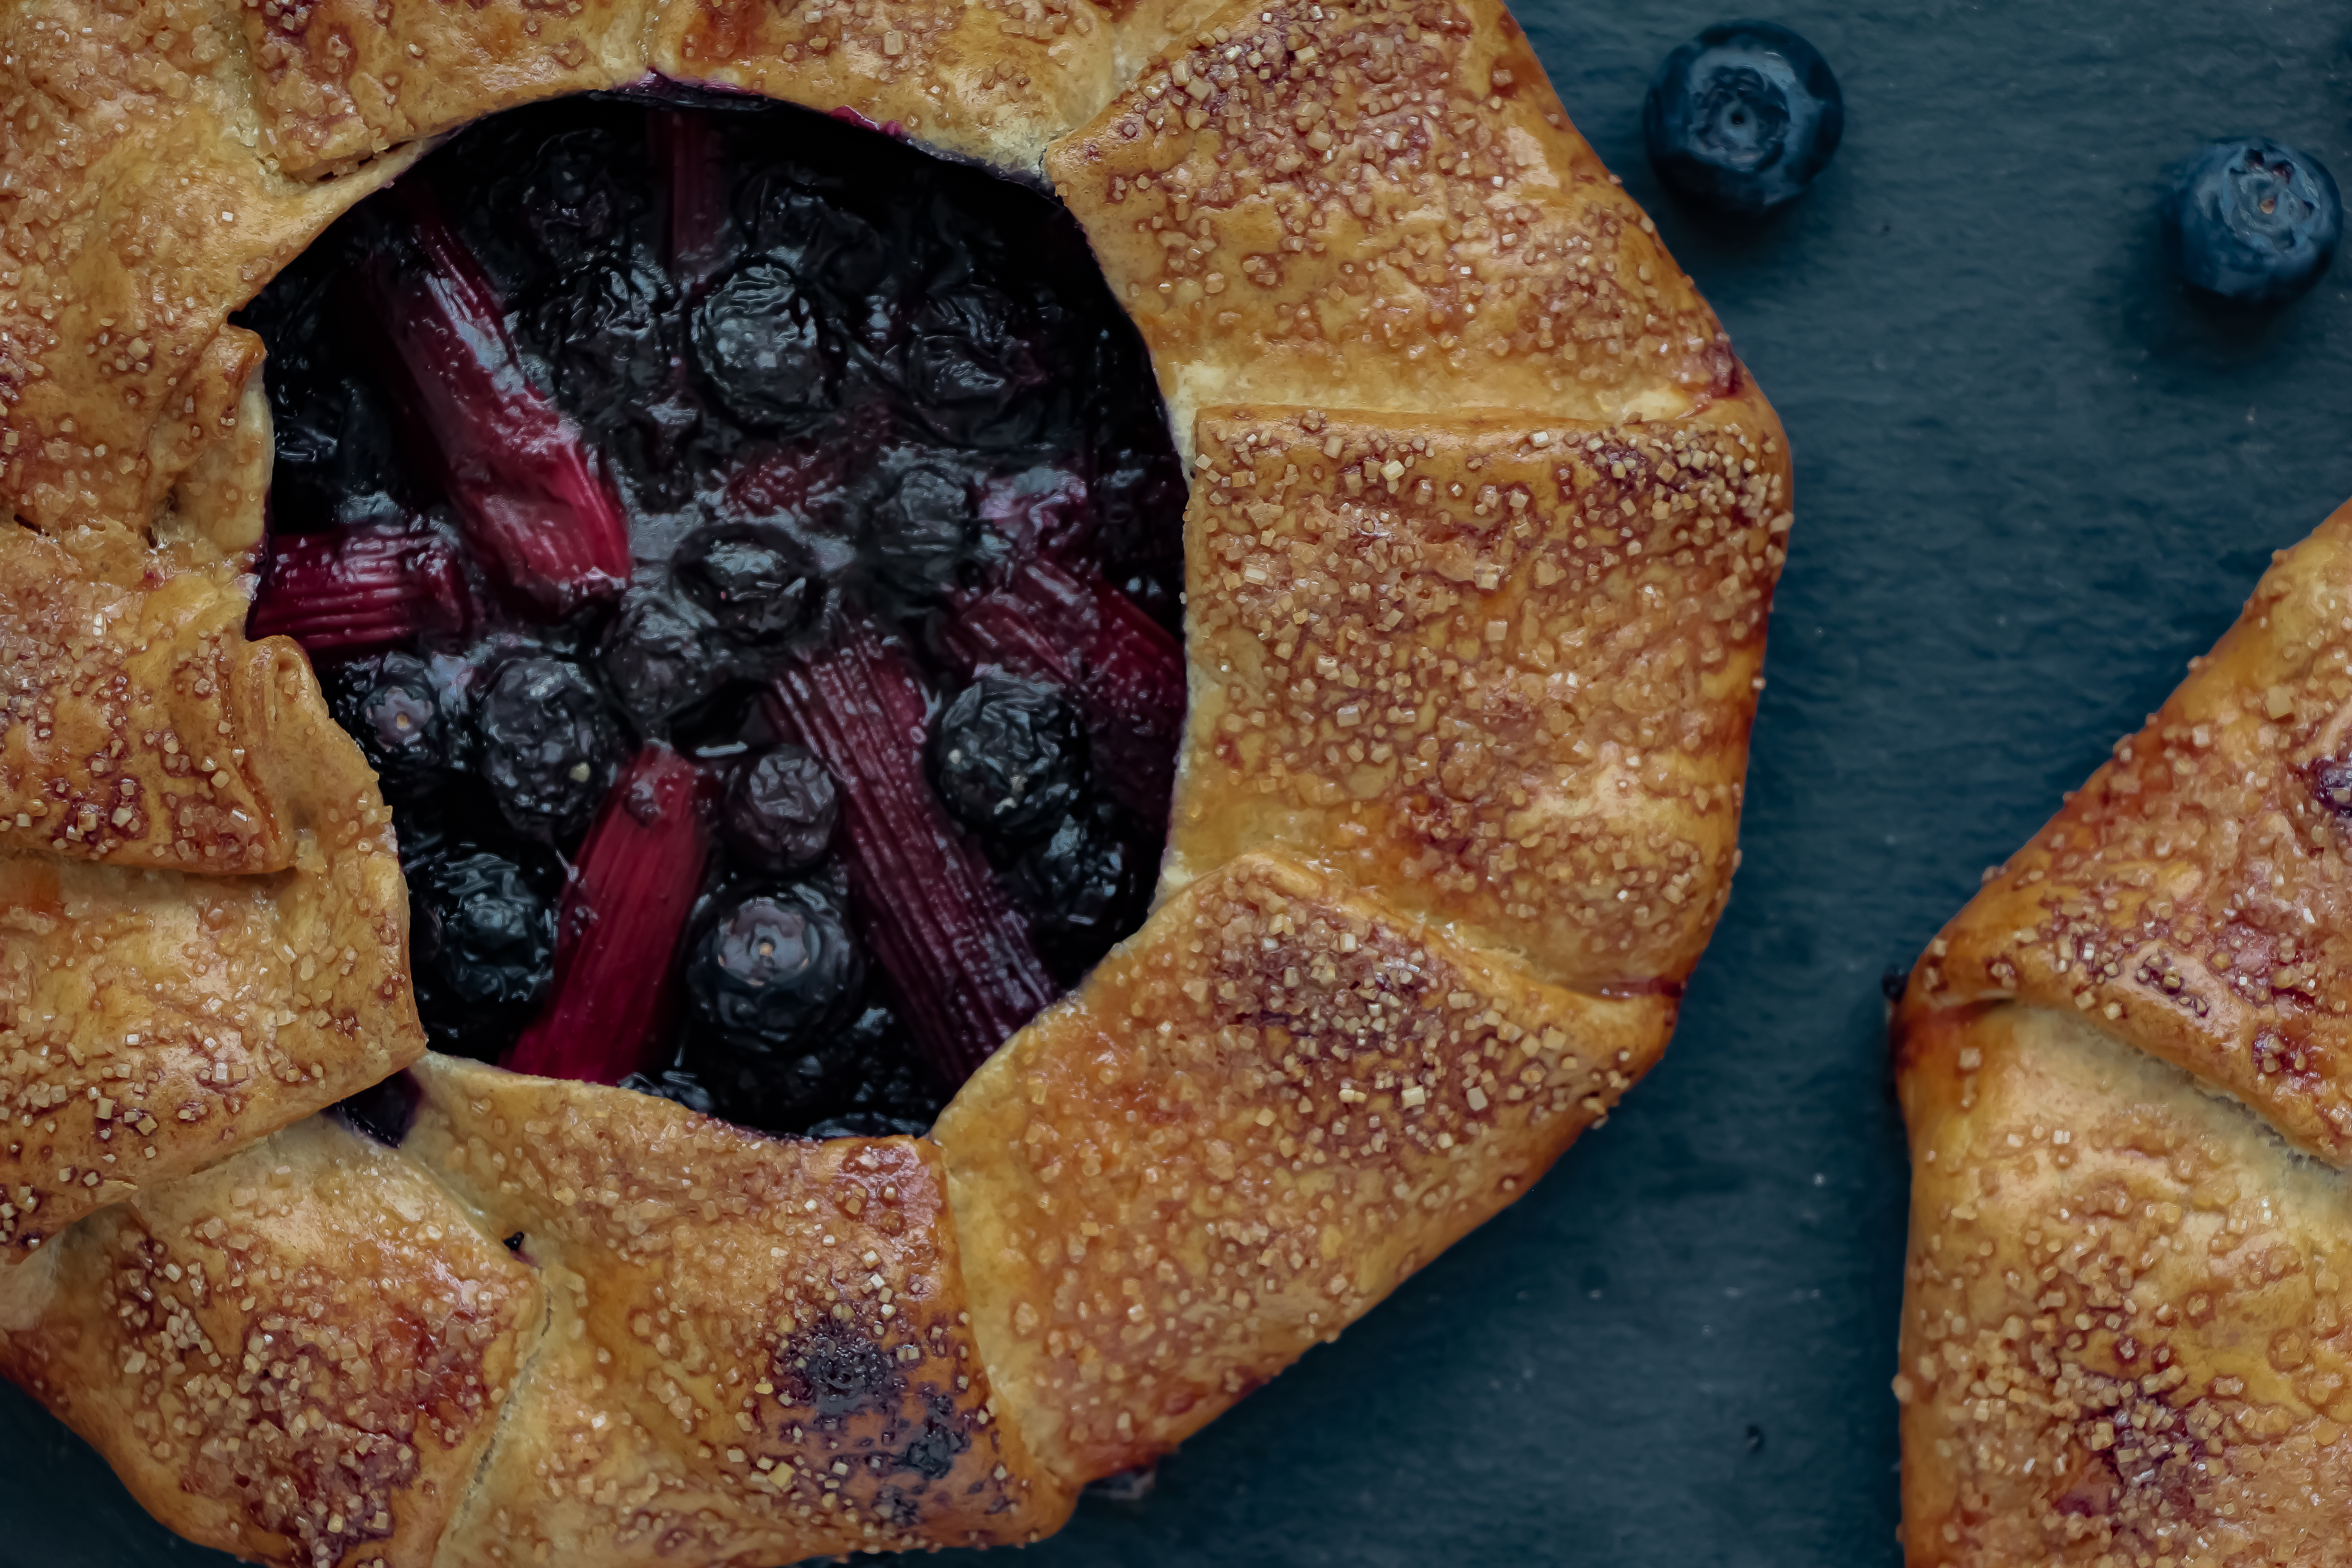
[(812, 490)]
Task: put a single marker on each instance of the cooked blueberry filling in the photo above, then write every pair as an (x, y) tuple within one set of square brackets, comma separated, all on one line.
[(748, 550)]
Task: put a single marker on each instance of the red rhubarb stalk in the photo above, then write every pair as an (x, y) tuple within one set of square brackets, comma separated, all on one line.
[(532, 496), (356, 590), (926, 902), (623, 914), (687, 147), (1067, 625)]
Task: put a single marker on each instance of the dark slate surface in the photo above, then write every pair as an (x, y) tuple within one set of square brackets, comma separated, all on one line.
[(2032, 480)]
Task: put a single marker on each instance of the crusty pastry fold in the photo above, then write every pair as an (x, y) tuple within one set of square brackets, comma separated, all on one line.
[(203, 935), (298, 1356), (756, 1350), (2126, 1310), (1500, 669), (2124, 1329), (1380, 205), (1254, 1120), (2195, 896), (144, 203)]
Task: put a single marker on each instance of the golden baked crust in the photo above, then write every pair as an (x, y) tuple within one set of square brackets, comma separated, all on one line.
[(758, 1350), (203, 929), (1380, 207), (560, 1323), (297, 1356), (142, 206), (2196, 895), (1257, 1116), (2125, 1323), (1371, 1008), (1502, 673), (2125, 1313)]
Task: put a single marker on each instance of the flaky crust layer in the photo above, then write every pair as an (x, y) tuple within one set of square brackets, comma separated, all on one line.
[(1484, 523), (2124, 1068)]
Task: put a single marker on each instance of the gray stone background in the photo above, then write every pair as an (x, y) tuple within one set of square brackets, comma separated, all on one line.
[(2032, 479)]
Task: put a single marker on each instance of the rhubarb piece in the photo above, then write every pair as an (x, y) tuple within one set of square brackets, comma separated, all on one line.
[(698, 236), (926, 903), (359, 590), (623, 914), (1066, 627), (532, 498)]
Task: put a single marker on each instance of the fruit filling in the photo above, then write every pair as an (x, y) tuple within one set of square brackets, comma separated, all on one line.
[(748, 550)]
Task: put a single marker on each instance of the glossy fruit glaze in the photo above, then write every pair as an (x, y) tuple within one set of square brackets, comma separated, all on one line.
[(748, 549)]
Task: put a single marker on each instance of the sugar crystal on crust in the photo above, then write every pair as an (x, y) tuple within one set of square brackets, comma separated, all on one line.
[(1255, 1118), (1380, 205), (346, 79), (142, 208), (1502, 673), (757, 1348), (299, 1354), (2196, 895)]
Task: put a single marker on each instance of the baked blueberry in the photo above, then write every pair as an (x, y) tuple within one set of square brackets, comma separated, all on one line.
[(2251, 220), (781, 810), (656, 660), (566, 202), (392, 706), (483, 944), (1743, 117), (758, 582), (971, 370), (609, 332), (1008, 756), (545, 745), (836, 249), (761, 345), (773, 972), (922, 529), (1079, 884)]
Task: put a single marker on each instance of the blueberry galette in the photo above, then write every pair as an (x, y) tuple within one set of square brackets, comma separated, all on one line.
[(773, 778)]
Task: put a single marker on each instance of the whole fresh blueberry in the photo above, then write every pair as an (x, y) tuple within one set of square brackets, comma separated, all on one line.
[(2251, 220), (1743, 117)]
